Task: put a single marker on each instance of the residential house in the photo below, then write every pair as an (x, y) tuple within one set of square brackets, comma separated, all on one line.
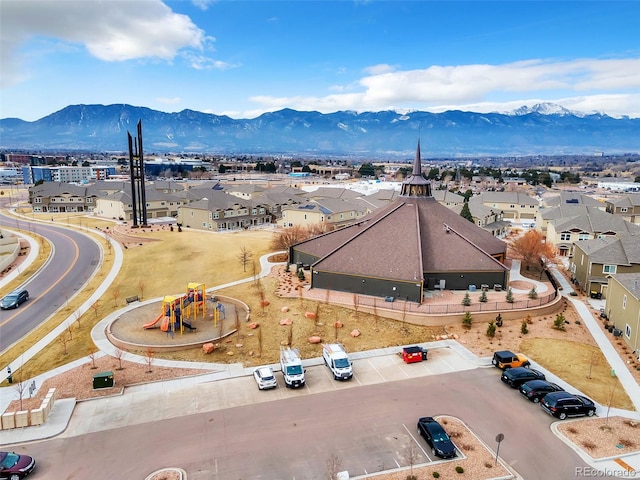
[(119, 205), (514, 206), (332, 211), (57, 197), (574, 223), (595, 261), (628, 207), (623, 308), (219, 212)]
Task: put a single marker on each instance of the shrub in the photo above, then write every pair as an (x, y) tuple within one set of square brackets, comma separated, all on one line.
[(625, 442), (558, 323), (467, 320), (466, 301), (436, 475), (491, 329), (488, 465), (588, 444), (523, 328), (412, 477), (533, 294), (459, 469), (572, 430), (509, 297), (573, 294), (483, 297)]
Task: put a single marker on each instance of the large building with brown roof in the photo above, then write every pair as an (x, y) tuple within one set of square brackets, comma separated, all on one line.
[(411, 245)]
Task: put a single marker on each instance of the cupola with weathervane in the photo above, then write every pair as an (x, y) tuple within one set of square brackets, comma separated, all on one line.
[(416, 185)]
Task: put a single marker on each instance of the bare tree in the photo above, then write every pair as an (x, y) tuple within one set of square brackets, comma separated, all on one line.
[(78, 316), (118, 354), (149, 355), (376, 317), (412, 458), (115, 295), (69, 327), (92, 356), (356, 303), (333, 467), (141, 287), (287, 237), (244, 257), (20, 385), (64, 339), (95, 307), (260, 342)]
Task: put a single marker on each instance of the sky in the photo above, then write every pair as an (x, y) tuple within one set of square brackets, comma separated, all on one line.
[(245, 58)]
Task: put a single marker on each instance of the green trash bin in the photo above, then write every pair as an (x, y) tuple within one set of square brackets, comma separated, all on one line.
[(103, 380)]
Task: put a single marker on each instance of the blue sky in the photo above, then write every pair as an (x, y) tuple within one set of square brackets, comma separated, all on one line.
[(243, 58)]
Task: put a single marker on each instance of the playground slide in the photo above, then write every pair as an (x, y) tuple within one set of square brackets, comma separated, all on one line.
[(152, 323)]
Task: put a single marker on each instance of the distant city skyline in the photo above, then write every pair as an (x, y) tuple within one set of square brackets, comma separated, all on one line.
[(244, 58)]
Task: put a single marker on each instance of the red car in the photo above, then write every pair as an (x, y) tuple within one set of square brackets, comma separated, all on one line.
[(14, 466)]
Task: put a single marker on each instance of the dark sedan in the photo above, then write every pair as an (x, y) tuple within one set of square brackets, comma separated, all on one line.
[(534, 390), (514, 377), (440, 443), (564, 404), (14, 466)]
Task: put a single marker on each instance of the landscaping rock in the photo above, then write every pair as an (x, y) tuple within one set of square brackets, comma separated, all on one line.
[(315, 339), (208, 347), (355, 332)]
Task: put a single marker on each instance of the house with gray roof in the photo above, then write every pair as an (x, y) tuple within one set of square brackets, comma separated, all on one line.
[(515, 206), (569, 224), (595, 261), (58, 197), (411, 245), (627, 207), (218, 212), (623, 308)]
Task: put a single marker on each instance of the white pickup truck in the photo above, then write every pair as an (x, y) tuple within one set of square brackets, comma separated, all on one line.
[(336, 358)]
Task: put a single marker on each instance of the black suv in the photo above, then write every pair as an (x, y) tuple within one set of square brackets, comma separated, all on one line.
[(534, 390), (440, 443), (514, 377), (564, 404), (14, 299)]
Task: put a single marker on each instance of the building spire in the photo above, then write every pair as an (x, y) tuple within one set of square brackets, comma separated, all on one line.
[(416, 185)]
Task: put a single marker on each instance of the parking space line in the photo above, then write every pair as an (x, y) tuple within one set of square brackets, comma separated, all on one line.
[(376, 370), (417, 442)]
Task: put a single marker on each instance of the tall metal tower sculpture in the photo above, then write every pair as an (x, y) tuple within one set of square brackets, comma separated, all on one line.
[(136, 169)]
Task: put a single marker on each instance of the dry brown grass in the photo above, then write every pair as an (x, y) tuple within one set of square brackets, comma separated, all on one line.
[(165, 267)]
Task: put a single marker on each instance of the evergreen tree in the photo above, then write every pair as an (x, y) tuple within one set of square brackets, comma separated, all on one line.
[(466, 213), (466, 301), (509, 297), (467, 320)]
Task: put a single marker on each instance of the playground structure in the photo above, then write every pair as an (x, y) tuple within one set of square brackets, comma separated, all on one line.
[(177, 312), (222, 316)]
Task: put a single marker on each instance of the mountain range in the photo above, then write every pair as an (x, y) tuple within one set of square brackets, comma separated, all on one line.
[(544, 129)]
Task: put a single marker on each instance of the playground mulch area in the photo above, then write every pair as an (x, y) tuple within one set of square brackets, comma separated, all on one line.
[(128, 327)]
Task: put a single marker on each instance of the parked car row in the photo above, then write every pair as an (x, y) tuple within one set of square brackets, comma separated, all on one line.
[(553, 399)]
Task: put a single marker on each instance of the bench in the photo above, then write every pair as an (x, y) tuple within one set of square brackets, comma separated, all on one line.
[(132, 299)]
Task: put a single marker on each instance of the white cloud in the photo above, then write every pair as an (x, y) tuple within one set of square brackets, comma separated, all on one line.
[(585, 85), (110, 30), (169, 101)]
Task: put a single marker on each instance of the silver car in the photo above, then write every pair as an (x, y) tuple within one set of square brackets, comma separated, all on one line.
[(265, 378)]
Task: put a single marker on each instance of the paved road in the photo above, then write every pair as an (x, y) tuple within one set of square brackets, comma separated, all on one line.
[(367, 427), (75, 259)]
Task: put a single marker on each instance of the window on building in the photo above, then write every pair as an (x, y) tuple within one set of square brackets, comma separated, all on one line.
[(584, 236), (627, 331), (609, 268), (624, 301), (623, 209), (216, 214), (565, 236)]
